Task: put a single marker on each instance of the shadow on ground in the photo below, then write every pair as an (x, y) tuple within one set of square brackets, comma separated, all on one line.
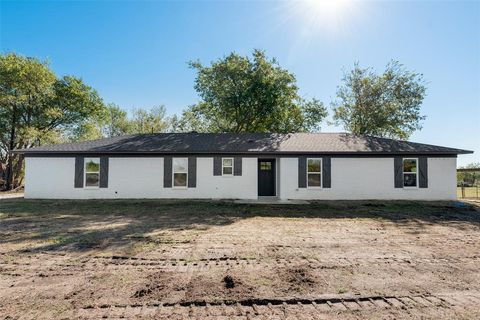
[(79, 225)]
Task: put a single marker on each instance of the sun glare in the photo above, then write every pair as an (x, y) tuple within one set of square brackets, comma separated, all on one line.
[(326, 7), (330, 15), (312, 21)]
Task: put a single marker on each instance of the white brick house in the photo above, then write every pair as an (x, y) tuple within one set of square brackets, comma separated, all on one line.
[(242, 166)]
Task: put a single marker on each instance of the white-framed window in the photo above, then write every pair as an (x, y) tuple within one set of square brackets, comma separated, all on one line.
[(314, 172), (92, 172), (410, 172), (227, 166), (180, 172)]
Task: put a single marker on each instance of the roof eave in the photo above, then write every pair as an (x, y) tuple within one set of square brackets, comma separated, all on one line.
[(57, 152)]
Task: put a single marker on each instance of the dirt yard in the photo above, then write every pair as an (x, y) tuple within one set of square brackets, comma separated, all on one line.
[(219, 260)]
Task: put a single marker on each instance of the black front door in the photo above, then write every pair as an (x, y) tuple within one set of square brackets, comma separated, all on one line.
[(266, 177)]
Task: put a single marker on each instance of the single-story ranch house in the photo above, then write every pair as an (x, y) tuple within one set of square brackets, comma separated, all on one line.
[(242, 166)]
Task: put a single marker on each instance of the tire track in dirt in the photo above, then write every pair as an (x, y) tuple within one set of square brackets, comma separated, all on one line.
[(183, 265), (283, 307), (233, 261)]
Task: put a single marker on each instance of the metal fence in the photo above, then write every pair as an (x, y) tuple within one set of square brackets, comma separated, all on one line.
[(468, 183), (468, 192)]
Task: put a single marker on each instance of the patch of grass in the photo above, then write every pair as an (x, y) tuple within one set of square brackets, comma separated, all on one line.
[(204, 213), (8, 259), (138, 247), (142, 225), (262, 281), (61, 240), (4, 215)]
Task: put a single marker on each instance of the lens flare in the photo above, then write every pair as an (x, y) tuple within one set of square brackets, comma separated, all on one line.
[(325, 14), (326, 7)]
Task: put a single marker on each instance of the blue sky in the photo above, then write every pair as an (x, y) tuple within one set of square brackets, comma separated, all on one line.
[(135, 53)]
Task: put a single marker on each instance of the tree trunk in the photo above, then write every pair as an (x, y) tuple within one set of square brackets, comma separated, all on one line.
[(11, 146), (17, 171)]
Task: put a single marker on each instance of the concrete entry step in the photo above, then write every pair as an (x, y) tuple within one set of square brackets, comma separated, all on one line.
[(270, 200)]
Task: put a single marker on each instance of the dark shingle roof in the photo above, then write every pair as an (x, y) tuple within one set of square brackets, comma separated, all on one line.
[(338, 143)]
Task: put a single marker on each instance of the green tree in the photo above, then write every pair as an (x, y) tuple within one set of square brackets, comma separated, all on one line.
[(385, 105), (86, 130), (193, 119), (116, 122), (151, 121), (242, 94), (37, 107)]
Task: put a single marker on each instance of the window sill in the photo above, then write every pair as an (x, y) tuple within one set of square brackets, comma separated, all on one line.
[(180, 188), (410, 188), (315, 188)]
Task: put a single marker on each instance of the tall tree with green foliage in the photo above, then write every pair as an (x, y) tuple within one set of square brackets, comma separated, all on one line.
[(36, 107), (383, 105), (150, 121), (243, 94), (116, 122)]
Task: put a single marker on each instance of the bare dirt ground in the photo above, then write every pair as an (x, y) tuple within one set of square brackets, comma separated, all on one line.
[(219, 260)]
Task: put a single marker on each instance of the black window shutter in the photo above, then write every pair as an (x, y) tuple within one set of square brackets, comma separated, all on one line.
[(302, 172), (327, 172), (423, 171), (237, 166), (192, 172), (79, 164), (217, 166), (398, 171), (167, 172), (103, 172)]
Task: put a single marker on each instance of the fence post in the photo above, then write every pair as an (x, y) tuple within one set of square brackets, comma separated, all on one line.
[(463, 191)]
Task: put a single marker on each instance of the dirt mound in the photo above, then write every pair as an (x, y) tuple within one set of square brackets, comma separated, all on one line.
[(229, 282), (298, 278), (157, 286), (221, 285)]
